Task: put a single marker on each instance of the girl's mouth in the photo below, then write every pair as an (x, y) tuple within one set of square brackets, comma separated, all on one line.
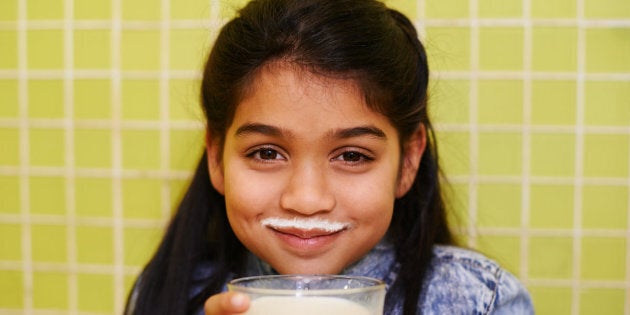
[(305, 235)]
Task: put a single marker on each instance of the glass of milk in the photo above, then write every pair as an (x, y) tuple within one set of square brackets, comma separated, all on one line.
[(312, 294)]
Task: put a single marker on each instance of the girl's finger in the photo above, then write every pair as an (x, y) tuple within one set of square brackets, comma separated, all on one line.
[(226, 303)]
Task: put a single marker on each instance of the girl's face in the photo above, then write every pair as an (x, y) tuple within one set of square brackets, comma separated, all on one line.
[(309, 172)]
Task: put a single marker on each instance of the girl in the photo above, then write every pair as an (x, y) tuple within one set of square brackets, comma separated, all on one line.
[(320, 158)]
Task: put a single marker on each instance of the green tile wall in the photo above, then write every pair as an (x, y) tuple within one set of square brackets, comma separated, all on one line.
[(92, 9), (8, 55), (92, 49), (100, 130), (92, 99), (44, 49)]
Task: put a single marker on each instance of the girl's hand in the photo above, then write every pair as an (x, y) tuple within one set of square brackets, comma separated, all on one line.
[(226, 303)]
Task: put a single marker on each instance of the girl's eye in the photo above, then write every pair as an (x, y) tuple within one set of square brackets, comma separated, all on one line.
[(266, 154), (353, 157)]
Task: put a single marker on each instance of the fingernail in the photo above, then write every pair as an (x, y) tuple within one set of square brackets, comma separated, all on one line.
[(238, 300)]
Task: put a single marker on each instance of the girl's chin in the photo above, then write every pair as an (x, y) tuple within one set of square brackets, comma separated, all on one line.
[(308, 267), (309, 271)]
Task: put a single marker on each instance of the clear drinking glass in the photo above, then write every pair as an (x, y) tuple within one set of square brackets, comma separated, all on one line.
[(312, 294)]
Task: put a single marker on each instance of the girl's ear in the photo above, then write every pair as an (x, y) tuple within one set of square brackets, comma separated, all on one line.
[(412, 154), (215, 166)]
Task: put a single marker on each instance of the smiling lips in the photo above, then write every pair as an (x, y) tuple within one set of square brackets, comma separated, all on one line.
[(305, 229)]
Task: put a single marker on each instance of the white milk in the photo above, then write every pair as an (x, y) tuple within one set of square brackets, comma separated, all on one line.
[(306, 306)]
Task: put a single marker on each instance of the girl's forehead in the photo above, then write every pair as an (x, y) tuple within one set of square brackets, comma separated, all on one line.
[(301, 78), (286, 96), (299, 92)]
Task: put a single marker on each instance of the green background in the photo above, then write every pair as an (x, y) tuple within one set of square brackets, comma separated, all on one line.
[(100, 130)]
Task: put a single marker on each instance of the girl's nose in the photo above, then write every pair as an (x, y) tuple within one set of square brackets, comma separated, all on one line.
[(307, 192)]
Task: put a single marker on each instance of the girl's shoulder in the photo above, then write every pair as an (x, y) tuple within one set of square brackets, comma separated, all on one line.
[(460, 280)]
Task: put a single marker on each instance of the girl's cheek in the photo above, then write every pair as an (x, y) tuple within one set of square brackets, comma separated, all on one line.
[(253, 192)]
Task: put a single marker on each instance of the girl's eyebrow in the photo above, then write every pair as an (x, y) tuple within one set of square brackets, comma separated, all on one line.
[(359, 132), (268, 130), (343, 133)]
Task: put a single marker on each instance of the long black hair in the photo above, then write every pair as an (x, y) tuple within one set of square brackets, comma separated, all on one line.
[(362, 40)]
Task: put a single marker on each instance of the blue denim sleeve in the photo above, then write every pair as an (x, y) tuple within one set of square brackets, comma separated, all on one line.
[(511, 297), (462, 281)]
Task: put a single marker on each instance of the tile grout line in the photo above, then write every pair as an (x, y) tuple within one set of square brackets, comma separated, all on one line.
[(68, 100), (627, 295), (152, 223), (183, 175), (97, 173), (95, 269), (46, 219), (579, 162), (473, 127), (526, 142), (97, 124), (117, 215), (195, 75), (164, 106), (215, 8), (537, 129), (103, 24), (26, 245), (420, 21)]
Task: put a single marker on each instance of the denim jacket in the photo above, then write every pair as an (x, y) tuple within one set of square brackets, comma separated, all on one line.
[(465, 282), (458, 281)]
